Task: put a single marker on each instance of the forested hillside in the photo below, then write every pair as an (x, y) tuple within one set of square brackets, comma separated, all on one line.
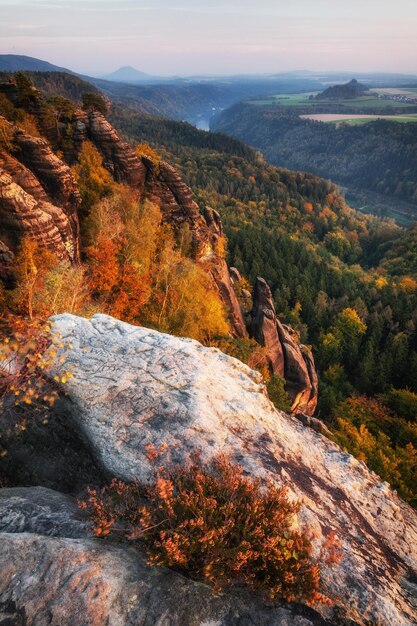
[(378, 156), (345, 281)]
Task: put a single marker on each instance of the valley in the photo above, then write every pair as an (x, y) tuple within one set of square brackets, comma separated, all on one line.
[(240, 303), (333, 139)]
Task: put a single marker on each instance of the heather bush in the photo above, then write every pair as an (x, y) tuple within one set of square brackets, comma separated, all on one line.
[(215, 525)]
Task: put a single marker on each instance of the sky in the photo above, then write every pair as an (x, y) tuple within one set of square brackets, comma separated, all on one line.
[(185, 37)]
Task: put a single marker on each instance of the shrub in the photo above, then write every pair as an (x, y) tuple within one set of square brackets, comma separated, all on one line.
[(27, 350), (216, 525), (6, 136), (403, 402), (277, 393), (94, 102), (144, 150)]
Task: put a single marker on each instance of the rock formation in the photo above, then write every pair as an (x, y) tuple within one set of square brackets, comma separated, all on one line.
[(38, 197), (118, 157), (49, 210), (133, 386), (286, 356), (21, 214)]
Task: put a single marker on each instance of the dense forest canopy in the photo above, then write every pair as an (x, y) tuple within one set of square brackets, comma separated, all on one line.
[(346, 281), (378, 157)]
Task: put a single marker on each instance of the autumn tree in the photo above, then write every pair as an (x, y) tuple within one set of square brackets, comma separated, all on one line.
[(32, 266), (94, 181), (58, 109)]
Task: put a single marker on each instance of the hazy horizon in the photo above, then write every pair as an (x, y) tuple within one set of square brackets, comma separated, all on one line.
[(189, 37)]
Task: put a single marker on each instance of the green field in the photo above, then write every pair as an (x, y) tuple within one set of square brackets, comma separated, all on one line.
[(366, 120), (303, 100), (284, 99)]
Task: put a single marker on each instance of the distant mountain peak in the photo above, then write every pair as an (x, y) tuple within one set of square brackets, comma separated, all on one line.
[(127, 73)]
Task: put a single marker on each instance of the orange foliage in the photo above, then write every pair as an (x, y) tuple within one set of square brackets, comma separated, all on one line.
[(103, 264), (408, 284), (144, 150), (27, 350), (33, 264), (216, 525)]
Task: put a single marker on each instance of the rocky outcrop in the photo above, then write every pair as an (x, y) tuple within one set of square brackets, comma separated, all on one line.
[(41, 511), (21, 214), (52, 573), (286, 356), (220, 271), (23, 177), (119, 158), (165, 187), (38, 196), (54, 175), (133, 386)]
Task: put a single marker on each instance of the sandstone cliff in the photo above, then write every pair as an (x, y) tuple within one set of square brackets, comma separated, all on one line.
[(286, 356), (134, 386), (49, 210), (38, 196)]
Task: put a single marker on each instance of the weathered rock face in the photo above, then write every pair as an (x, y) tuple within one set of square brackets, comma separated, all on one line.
[(286, 356), (41, 511), (21, 214), (119, 157), (38, 197), (134, 386), (53, 219), (52, 573), (54, 175), (165, 186)]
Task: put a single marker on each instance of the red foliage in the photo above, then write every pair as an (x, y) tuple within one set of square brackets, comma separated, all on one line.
[(104, 266), (115, 280), (216, 525)]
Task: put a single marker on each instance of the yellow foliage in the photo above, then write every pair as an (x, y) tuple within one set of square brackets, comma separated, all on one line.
[(29, 125), (32, 265), (350, 323), (381, 282), (6, 135), (144, 150), (408, 284), (94, 181)]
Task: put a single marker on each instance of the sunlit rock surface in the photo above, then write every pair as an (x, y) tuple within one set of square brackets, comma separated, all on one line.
[(133, 386)]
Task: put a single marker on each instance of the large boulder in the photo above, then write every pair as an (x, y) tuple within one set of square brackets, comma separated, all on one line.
[(133, 386), (285, 355)]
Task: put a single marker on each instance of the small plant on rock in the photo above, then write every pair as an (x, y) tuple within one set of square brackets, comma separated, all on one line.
[(214, 524), (27, 350)]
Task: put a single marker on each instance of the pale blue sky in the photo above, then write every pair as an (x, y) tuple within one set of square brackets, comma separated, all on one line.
[(214, 36)]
